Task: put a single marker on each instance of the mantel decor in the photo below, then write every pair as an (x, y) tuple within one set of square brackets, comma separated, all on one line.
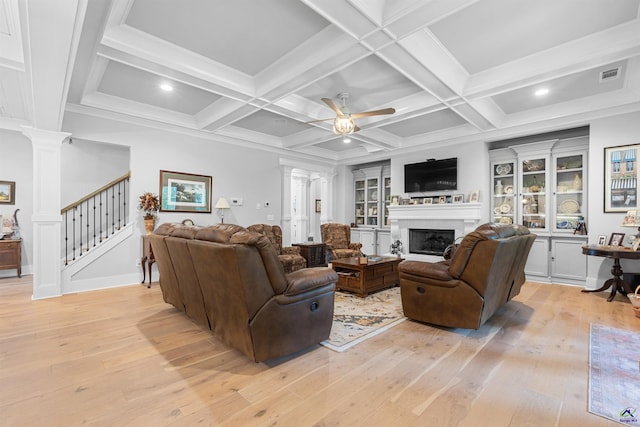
[(184, 192), (7, 192), (621, 178)]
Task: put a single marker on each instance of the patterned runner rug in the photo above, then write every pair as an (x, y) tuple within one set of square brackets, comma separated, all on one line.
[(356, 319), (614, 375)]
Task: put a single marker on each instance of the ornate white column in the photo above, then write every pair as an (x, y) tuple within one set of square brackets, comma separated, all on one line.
[(47, 221), (285, 223)]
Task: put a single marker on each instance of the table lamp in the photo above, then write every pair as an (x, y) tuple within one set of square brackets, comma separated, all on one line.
[(222, 204)]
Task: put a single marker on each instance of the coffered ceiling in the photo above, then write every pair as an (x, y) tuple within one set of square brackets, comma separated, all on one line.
[(254, 71)]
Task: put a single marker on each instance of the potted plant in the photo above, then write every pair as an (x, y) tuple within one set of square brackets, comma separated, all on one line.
[(150, 204)]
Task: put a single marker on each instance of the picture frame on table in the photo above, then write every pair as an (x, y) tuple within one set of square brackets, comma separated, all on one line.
[(184, 192), (620, 175), (616, 239), (427, 201), (7, 192), (457, 198), (442, 200), (602, 240), (474, 196), (395, 200)]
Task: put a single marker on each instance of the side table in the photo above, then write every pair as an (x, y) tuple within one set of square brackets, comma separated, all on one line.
[(313, 253), (10, 255), (147, 258), (616, 283)]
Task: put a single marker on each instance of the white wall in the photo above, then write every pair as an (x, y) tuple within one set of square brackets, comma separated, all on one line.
[(17, 165), (88, 165), (610, 132)]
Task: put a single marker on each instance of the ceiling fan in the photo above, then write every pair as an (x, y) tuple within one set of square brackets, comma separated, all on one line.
[(343, 123)]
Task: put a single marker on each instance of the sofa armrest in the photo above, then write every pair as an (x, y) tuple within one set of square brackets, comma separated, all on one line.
[(431, 270), (291, 250), (355, 246), (308, 279)]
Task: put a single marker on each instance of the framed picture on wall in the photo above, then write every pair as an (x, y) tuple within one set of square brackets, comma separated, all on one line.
[(620, 177), (184, 192), (318, 205), (7, 192)]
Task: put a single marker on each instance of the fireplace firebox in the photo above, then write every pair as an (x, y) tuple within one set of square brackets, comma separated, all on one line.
[(429, 241)]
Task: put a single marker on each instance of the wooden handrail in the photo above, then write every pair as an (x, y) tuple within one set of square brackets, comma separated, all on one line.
[(95, 193)]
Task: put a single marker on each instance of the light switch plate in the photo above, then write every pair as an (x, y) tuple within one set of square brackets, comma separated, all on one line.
[(236, 201)]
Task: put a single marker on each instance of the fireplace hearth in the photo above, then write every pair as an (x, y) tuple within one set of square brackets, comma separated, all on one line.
[(429, 241)]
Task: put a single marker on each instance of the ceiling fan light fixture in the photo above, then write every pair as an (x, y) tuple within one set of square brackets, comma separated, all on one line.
[(346, 139), (343, 125)]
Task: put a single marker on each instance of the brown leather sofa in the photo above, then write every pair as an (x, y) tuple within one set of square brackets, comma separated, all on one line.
[(485, 272), (230, 280), (337, 239), (289, 256)]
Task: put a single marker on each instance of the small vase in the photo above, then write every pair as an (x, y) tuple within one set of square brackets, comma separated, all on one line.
[(499, 187), (149, 225)]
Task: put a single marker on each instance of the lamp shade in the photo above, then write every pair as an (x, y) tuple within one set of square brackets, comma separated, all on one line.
[(222, 203)]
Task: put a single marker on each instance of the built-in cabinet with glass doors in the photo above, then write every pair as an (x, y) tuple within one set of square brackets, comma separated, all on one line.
[(372, 197), (543, 187)]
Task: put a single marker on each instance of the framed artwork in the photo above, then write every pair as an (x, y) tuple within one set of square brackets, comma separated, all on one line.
[(620, 175), (457, 198), (474, 196), (395, 200), (405, 202), (7, 192), (442, 200), (318, 205), (602, 240), (184, 192), (616, 239), (427, 201)]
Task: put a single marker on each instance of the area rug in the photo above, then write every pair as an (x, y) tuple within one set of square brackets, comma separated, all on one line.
[(356, 319), (614, 375)]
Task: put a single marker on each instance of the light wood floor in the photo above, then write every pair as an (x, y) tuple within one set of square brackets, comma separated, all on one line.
[(122, 357)]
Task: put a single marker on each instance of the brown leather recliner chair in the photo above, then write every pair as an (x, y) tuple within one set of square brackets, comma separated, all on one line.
[(247, 300), (485, 272), (337, 238), (289, 256)]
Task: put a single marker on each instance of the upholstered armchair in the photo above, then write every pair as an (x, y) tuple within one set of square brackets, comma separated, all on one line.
[(485, 272), (289, 256), (337, 238)]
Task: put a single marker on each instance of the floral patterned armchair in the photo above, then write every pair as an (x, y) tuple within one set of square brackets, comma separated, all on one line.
[(337, 238), (289, 256)]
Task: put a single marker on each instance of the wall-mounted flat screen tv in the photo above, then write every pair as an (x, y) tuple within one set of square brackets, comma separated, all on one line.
[(432, 175)]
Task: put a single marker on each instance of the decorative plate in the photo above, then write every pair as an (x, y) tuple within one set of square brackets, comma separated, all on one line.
[(569, 206), (506, 220), (498, 210), (508, 189), (505, 208), (533, 165), (503, 169)]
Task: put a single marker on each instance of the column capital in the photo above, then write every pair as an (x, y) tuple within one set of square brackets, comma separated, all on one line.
[(42, 136)]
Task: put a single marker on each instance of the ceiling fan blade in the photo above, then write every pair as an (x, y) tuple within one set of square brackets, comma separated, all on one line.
[(333, 106), (374, 113), (319, 120), (356, 129)]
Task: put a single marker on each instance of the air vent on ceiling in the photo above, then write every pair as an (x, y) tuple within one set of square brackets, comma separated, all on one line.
[(610, 74)]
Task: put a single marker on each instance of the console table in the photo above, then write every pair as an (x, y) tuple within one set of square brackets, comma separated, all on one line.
[(147, 258), (313, 253), (10, 255), (616, 283)]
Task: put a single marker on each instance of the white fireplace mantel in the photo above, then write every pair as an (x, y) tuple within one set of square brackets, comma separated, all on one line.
[(460, 217)]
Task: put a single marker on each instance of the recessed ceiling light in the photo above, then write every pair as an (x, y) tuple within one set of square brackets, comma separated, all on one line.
[(166, 87), (541, 92)]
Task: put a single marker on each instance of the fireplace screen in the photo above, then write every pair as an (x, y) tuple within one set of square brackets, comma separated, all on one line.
[(429, 242)]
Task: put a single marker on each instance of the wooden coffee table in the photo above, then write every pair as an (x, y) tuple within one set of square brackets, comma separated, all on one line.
[(378, 273)]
